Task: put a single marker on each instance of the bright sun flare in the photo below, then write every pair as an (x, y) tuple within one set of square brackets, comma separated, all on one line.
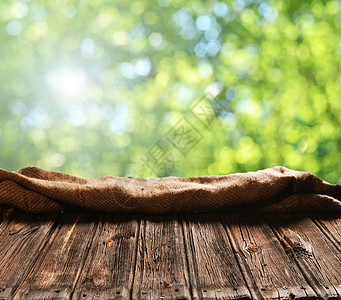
[(67, 82)]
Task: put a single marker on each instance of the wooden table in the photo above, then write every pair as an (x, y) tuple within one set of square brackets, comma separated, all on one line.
[(190, 256)]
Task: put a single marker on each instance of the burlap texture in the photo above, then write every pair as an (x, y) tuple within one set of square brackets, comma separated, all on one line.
[(277, 189)]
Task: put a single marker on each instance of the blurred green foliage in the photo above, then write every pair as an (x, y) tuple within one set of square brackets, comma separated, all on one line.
[(170, 87)]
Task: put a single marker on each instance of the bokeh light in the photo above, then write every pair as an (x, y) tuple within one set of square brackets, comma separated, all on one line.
[(167, 87)]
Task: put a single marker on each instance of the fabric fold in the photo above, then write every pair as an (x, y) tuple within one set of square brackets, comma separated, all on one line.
[(276, 189)]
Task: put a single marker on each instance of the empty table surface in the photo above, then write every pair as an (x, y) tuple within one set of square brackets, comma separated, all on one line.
[(186, 256)]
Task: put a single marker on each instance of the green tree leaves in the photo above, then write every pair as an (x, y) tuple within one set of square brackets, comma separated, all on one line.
[(90, 87)]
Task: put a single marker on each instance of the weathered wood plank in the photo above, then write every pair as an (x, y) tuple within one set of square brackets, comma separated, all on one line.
[(109, 269), (57, 269), (270, 273), (214, 271), (161, 268), (21, 241), (316, 256), (330, 225)]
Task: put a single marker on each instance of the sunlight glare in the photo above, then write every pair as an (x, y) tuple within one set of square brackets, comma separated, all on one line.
[(69, 83)]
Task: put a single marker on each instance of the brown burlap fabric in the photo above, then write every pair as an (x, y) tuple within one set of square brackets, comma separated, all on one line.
[(277, 189)]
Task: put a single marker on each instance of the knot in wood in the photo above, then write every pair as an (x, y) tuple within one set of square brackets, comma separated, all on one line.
[(252, 248)]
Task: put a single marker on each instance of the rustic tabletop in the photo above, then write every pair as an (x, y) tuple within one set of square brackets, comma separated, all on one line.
[(189, 256)]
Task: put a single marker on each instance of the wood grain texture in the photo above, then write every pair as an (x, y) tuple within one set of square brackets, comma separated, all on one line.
[(161, 267), (269, 271), (330, 225), (214, 271), (192, 256), (59, 264), (109, 268), (21, 240), (316, 256)]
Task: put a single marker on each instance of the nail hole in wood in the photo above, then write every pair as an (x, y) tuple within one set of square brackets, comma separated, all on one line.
[(176, 290), (118, 292), (84, 295), (57, 291)]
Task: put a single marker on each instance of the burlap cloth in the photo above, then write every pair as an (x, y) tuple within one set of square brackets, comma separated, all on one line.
[(277, 189)]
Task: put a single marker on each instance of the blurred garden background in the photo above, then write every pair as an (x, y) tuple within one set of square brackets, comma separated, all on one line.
[(170, 87)]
